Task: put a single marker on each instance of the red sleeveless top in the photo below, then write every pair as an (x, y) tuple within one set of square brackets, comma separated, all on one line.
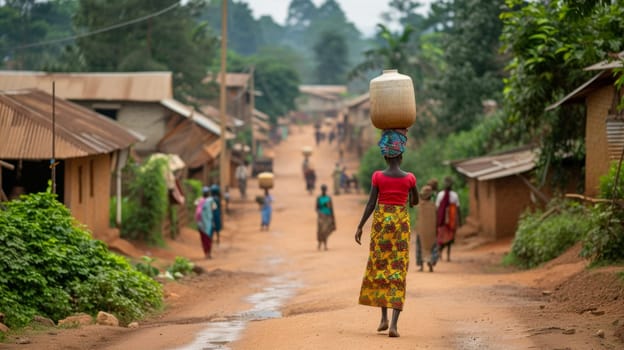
[(393, 190)]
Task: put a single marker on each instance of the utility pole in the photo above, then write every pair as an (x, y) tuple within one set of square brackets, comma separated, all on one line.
[(252, 106), (53, 160), (223, 161)]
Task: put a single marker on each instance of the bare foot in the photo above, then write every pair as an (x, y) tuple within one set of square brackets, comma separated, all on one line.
[(393, 333), (382, 326)]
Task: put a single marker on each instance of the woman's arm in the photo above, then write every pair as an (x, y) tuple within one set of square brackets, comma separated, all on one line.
[(413, 196), (370, 207)]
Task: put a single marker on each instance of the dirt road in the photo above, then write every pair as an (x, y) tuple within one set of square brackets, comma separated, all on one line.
[(274, 290)]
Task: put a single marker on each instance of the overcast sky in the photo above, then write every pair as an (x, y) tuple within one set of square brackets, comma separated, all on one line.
[(363, 13)]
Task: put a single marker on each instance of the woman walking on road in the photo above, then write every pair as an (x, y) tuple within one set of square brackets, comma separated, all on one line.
[(426, 244), (266, 210), (384, 281), (448, 218), (205, 220), (326, 223)]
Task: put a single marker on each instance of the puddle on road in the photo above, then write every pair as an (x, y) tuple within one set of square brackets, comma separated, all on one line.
[(266, 305)]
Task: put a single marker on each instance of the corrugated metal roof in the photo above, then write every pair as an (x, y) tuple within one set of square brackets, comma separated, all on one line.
[(237, 80), (608, 64), (189, 112), (189, 141), (324, 89), (26, 128), (260, 114), (214, 114), (131, 86), (498, 166), (580, 92), (260, 123), (354, 102), (615, 138)]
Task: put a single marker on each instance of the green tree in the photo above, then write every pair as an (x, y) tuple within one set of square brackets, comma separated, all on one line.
[(27, 22), (277, 79), (331, 56), (550, 42), (244, 35), (392, 53), (271, 33), (173, 41), (473, 67)]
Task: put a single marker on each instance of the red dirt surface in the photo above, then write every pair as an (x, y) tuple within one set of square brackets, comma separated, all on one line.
[(470, 303)]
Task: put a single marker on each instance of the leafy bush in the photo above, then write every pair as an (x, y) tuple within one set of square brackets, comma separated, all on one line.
[(607, 182), (148, 201), (192, 191), (146, 267), (181, 266), (52, 267), (540, 238), (605, 241)]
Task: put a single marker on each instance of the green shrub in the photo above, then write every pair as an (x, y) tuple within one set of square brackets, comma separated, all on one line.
[(148, 200), (180, 267), (607, 183), (604, 243), (52, 267), (146, 267), (539, 239), (192, 191)]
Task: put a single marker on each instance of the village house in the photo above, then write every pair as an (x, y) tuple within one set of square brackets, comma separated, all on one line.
[(501, 188), (499, 191), (359, 133), (319, 101), (88, 149), (136, 100), (604, 125)]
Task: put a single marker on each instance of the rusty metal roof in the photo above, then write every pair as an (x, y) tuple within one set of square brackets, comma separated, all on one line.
[(131, 86), (616, 62), (357, 101), (335, 90), (189, 112), (193, 143), (231, 79), (578, 95), (498, 166), (214, 114), (26, 128)]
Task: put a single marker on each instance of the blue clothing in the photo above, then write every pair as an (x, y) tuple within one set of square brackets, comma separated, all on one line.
[(206, 222), (216, 213), (266, 210), (323, 206), (392, 143)]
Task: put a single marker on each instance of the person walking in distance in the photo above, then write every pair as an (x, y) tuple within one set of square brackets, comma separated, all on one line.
[(217, 213), (392, 190), (266, 210), (448, 218), (426, 244), (205, 221), (241, 177), (326, 220)]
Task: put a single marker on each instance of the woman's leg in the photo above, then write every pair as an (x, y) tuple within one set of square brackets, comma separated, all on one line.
[(419, 259), (393, 326), (383, 325)]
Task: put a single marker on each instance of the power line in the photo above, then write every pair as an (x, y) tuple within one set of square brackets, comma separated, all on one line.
[(98, 31)]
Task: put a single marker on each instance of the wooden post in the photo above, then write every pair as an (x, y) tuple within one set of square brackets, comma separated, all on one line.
[(252, 107), (53, 160), (223, 171)]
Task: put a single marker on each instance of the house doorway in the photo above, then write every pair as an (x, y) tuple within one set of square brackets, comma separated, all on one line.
[(31, 176)]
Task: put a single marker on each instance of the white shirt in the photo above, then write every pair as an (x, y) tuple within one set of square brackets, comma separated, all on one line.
[(453, 198), (241, 172)]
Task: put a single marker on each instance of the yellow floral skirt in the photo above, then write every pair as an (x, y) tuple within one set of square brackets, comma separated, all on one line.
[(384, 281)]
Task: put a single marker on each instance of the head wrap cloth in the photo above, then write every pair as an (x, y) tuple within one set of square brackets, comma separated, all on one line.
[(392, 143)]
